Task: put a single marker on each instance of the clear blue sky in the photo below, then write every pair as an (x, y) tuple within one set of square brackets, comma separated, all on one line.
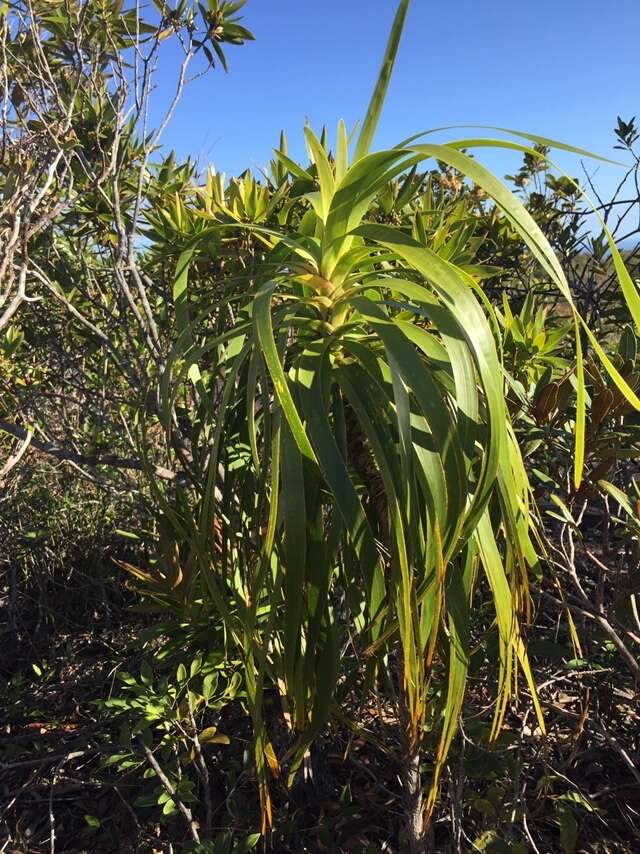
[(561, 68)]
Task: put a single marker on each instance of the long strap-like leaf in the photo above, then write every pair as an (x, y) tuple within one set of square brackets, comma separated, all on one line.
[(377, 99)]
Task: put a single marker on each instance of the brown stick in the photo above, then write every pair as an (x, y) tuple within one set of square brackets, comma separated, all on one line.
[(184, 809), (605, 625), (66, 455)]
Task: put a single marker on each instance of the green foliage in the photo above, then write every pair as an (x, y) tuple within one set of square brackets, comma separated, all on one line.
[(529, 347), (363, 437), (338, 429)]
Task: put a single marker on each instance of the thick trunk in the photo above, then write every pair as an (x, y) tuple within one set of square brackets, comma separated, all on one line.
[(361, 458), (418, 830), (414, 804)]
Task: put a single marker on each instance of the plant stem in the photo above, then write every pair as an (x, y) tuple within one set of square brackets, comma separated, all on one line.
[(184, 809), (414, 806), (412, 784)]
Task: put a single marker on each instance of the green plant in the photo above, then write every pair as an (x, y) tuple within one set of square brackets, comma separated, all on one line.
[(167, 721), (358, 483), (530, 347)]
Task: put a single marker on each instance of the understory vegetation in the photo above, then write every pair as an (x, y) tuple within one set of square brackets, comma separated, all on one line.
[(319, 498)]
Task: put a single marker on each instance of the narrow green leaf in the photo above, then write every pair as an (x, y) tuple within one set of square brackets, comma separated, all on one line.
[(377, 99), (264, 328)]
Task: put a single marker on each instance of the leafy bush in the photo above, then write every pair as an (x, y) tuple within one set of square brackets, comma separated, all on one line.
[(327, 430)]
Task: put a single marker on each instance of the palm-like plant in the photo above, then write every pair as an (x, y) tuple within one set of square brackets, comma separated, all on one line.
[(354, 470)]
